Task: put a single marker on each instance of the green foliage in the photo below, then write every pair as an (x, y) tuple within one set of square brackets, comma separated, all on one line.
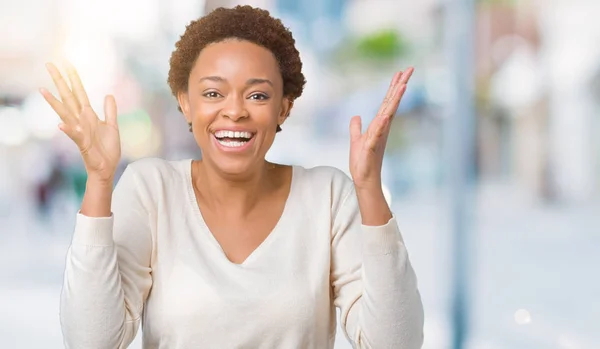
[(385, 44)]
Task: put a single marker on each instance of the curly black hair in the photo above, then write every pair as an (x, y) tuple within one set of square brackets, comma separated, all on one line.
[(245, 23)]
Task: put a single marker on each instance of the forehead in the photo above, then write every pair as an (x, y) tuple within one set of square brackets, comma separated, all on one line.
[(237, 58)]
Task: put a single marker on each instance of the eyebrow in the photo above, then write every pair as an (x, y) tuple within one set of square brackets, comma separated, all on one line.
[(251, 81), (257, 81)]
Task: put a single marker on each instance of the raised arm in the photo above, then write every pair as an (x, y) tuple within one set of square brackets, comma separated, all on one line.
[(374, 284), (107, 275)]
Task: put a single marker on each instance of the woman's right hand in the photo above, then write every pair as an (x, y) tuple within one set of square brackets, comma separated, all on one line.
[(97, 140)]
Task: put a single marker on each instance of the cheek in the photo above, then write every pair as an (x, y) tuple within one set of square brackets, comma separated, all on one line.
[(204, 112), (266, 114)]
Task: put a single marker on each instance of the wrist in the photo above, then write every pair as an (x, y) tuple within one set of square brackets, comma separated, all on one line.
[(369, 190), (97, 198), (374, 209), (100, 182)]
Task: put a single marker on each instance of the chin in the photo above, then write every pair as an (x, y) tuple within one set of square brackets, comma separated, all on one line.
[(233, 164)]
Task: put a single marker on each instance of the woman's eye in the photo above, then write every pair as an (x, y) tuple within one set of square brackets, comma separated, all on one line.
[(211, 94), (259, 96)]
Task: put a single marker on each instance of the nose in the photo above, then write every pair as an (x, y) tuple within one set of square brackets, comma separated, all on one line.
[(234, 108)]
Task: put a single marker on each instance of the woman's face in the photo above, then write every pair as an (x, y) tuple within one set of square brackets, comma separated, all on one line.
[(235, 102)]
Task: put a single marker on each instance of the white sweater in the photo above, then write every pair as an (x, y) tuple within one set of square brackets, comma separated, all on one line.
[(154, 261)]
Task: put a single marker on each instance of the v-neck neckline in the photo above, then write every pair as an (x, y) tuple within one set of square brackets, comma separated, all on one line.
[(205, 230)]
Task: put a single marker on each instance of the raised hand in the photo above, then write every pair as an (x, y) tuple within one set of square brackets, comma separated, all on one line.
[(97, 140), (367, 149)]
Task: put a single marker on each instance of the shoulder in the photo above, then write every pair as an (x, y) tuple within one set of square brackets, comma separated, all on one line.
[(152, 169), (150, 174), (324, 190), (325, 179), (154, 165), (323, 174)]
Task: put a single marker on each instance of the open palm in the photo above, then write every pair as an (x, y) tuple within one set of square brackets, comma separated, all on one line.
[(97, 140), (367, 149)]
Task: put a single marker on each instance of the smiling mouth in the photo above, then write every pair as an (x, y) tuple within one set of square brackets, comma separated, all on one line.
[(233, 139)]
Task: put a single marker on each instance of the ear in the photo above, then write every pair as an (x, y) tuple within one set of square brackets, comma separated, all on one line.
[(286, 107), (184, 105)]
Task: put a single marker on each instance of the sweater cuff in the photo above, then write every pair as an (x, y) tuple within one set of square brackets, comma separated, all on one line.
[(383, 239), (93, 231)]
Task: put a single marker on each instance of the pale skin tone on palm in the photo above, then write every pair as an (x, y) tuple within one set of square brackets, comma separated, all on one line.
[(239, 199)]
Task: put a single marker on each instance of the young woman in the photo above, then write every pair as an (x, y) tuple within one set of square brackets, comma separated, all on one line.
[(232, 251)]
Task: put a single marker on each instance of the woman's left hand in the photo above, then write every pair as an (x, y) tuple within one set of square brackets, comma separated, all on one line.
[(367, 149)]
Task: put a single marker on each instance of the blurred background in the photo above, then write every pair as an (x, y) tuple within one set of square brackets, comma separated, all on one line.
[(492, 168)]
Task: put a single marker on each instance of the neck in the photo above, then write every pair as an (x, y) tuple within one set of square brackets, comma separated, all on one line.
[(237, 194)]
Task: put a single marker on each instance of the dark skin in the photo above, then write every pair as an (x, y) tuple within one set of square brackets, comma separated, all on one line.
[(241, 196)]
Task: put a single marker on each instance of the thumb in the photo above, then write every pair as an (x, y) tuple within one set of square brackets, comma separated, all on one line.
[(110, 110), (355, 128)]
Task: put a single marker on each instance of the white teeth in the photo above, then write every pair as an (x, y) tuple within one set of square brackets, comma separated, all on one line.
[(231, 144), (233, 134)]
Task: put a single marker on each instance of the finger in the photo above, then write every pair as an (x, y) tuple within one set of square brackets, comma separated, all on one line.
[(380, 126), (390, 92), (73, 132), (386, 120), (387, 110), (406, 76), (392, 98), (82, 133), (77, 85), (110, 110), (378, 135), (400, 93), (67, 97), (392, 107), (390, 110), (355, 128), (397, 76), (88, 118), (58, 107)]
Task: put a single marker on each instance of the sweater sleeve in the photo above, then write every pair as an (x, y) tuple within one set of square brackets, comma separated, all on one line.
[(374, 284), (107, 275)]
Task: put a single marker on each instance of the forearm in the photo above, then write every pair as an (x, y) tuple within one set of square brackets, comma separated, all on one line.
[(391, 301), (97, 198), (374, 209), (391, 311), (93, 312), (375, 285)]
